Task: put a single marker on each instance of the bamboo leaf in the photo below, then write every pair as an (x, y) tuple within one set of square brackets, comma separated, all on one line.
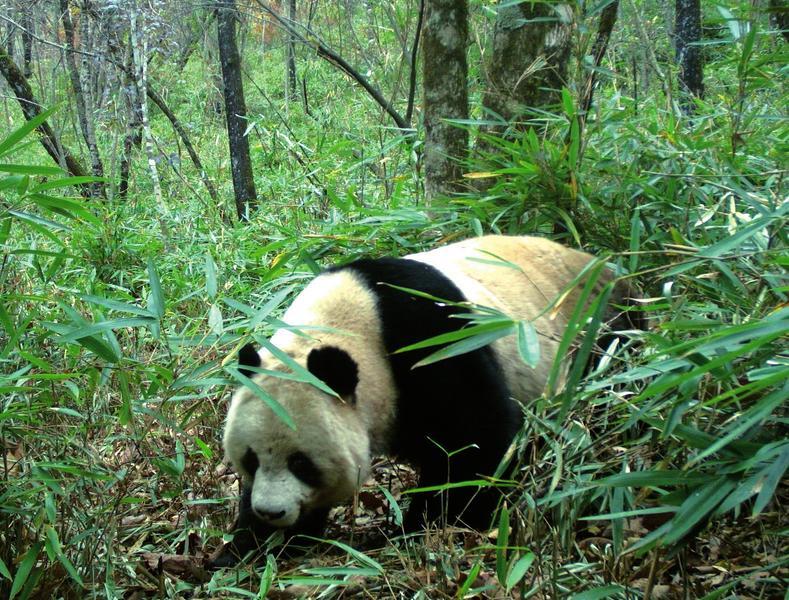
[(463, 346), (528, 343), (270, 401), (519, 569), (23, 571), (773, 476), (210, 276), (21, 132), (699, 505), (30, 169), (458, 334), (156, 300)]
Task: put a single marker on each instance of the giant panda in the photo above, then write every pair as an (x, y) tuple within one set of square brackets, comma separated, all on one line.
[(345, 328)]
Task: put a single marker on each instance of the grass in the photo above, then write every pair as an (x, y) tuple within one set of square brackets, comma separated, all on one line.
[(662, 472)]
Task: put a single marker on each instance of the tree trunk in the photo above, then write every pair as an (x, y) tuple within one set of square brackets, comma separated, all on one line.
[(779, 17), (414, 57), (133, 137), (235, 109), (80, 91), (687, 31), (291, 55), (445, 74), (31, 108), (139, 43), (27, 43), (604, 29), (86, 79), (528, 59)]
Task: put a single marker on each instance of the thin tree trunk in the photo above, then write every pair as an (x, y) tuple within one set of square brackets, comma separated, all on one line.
[(140, 62), (445, 74), (31, 108), (414, 57), (235, 110), (528, 58), (687, 32), (133, 137), (291, 55), (604, 29), (86, 79), (27, 44), (81, 88)]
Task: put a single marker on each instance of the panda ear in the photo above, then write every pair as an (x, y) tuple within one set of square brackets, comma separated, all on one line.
[(335, 368), (248, 357)]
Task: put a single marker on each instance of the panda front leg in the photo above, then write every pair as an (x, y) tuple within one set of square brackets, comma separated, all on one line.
[(251, 534), (472, 506)]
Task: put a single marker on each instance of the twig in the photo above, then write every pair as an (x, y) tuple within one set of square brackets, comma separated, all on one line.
[(159, 102), (414, 55), (329, 55), (43, 41), (652, 573)]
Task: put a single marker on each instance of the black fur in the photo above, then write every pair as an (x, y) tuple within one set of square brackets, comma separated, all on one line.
[(453, 403), (335, 368), (250, 462), (304, 469), (248, 357)]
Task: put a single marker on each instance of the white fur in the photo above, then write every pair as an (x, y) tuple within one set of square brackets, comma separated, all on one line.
[(338, 437)]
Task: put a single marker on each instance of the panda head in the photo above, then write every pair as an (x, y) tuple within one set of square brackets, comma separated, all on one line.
[(318, 464)]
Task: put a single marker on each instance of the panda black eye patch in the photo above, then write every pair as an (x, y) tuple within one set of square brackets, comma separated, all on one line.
[(304, 469), (250, 462)]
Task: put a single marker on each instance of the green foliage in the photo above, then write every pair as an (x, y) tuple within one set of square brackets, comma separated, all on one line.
[(116, 345)]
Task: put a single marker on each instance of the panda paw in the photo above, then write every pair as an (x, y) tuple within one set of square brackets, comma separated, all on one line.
[(232, 553)]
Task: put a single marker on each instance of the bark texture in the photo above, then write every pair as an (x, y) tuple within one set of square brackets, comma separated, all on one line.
[(528, 59), (81, 88), (604, 29), (139, 43), (31, 108), (687, 30), (445, 73), (133, 137), (27, 43), (235, 109)]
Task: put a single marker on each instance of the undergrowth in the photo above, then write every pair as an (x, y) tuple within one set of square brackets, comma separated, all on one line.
[(668, 458)]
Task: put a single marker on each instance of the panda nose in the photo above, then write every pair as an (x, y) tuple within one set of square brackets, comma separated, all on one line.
[(269, 515)]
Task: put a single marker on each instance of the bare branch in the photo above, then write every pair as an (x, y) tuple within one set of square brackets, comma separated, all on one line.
[(328, 54)]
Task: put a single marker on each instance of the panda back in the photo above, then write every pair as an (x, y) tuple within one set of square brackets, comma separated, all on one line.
[(520, 276)]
